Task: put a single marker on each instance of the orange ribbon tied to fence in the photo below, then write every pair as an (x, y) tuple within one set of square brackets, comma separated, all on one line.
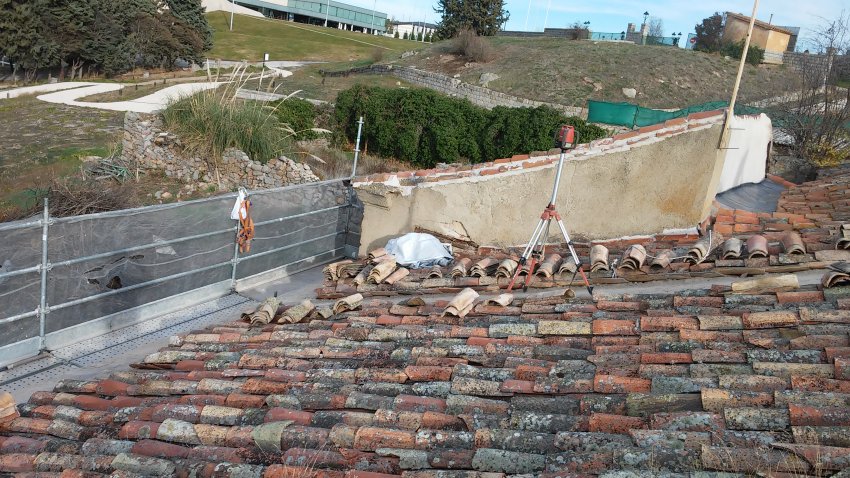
[(246, 227)]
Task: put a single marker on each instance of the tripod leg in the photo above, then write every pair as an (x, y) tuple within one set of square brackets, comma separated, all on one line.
[(529, 249), (537, 253), (575, 257)]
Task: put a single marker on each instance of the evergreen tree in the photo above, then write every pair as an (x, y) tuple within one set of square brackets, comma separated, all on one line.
[(395, 35), (419, 36), (709, 34), (406, 37), (428, 37), (484, 17), (23, 36), (191, 12), (70, 25)]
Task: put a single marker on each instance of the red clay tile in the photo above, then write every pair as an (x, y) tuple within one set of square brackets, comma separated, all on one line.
[(614, 327), (605, 423), (616, 384), (802, 415), (800, 297), (662, 324), (670, 358)]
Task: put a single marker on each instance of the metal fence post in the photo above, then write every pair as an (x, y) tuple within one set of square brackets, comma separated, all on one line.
[(235, 257), (45, 266), (357, 147)]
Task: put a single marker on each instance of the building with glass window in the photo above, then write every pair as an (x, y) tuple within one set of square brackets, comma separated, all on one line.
[(320, 12)]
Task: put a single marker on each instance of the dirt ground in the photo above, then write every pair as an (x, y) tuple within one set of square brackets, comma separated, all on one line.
[(571, 72), (43, 140)]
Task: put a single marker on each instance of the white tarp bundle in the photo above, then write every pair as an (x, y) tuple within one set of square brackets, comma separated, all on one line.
[(746, 158), (417, 250)]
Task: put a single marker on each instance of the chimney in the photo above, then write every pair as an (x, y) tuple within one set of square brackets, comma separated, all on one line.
[(630, 28)]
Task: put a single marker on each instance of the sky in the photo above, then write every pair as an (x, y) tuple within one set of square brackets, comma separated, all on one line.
[(614, 15)]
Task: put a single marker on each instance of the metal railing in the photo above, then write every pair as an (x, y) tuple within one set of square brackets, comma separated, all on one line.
[(98, 266)]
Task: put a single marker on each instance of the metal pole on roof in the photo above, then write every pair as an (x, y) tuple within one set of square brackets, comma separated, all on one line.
[(546, 21), (724, 137), (357, 147), (232, 7), (527, 14), (42, 306)]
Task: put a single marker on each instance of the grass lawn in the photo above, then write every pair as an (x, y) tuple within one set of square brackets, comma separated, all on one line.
[(571, 72), (251, 37), (311, 85), (45, 140)]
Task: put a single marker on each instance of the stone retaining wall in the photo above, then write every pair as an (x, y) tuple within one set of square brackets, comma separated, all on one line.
[(147, 144), (478, 95)]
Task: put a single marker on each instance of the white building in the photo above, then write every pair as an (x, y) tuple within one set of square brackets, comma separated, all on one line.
[(413, 28)]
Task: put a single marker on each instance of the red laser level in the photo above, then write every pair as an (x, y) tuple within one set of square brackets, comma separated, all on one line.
[(565, 139)]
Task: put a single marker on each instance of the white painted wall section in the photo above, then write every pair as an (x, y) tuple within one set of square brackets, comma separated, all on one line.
[(746, 158)]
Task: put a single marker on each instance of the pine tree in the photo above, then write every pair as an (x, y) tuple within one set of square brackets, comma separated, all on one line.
[(709, 33), (192, 13), (484, 17), (23, 36), (406, 36), (419, 36), (70, 24)]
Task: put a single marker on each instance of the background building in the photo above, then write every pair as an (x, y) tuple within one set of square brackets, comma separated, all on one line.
[(772, 39), (316, 12), (413, 28)]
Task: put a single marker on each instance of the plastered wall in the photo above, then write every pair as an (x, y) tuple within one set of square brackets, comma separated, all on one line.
[(638, 183)]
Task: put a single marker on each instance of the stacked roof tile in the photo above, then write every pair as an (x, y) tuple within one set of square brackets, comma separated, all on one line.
[(811, 230), (816, 209), (702, 382), (658, 258)]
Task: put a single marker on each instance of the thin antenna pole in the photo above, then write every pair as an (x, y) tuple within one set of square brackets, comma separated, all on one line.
[(232, 7), (527, 14), (724, 137), (546, 21), (357, 147)]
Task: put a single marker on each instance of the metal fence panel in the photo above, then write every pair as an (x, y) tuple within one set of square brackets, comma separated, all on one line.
[(315, 221), (20, 250), (102, 264)]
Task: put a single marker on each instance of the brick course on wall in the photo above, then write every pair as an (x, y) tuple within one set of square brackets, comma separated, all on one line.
[(638, 137), (148, 145), (447, 85), (642, 182)]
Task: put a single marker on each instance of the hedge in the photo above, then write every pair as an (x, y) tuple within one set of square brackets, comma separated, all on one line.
[(423, 127), (298, 114)]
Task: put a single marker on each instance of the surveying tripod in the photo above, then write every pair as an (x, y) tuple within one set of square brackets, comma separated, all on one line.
[(565, 140)]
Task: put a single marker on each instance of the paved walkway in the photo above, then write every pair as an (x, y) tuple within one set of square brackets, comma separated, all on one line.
[(46, 88), (147, 104)]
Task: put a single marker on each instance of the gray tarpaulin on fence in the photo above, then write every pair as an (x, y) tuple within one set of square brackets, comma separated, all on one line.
[(102, 264)]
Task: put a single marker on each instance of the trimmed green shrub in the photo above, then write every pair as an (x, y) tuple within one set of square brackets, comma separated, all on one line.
[(423, 127), (754, 57), (300, 116)]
